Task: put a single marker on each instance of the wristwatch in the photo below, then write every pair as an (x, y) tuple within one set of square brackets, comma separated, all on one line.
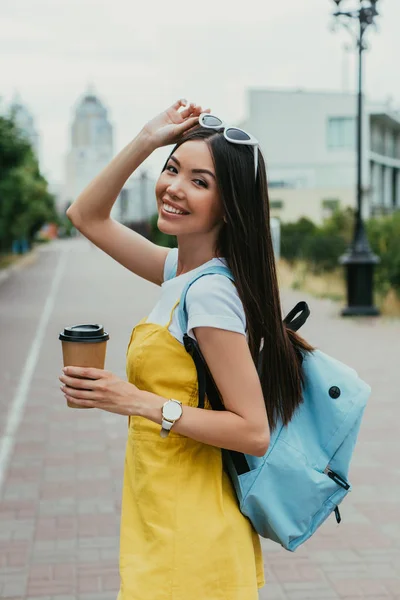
[(171, 412)]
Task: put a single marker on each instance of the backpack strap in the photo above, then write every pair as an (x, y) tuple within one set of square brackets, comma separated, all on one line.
[(205, 381), (295, 323), (182, 312)]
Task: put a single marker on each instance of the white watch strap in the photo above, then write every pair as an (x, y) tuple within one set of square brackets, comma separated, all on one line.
[(167, 424), (165, 427)]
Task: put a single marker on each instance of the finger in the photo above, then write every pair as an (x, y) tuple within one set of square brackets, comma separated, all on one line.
[(179, 103), (85, 372), (196, 112), (78, 394), (199, 109), (188, 110), (78, 382), (188, 124), (82, 403)]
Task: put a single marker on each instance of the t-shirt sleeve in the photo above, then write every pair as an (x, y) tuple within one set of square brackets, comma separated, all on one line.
[(213, 301), (171, 263)]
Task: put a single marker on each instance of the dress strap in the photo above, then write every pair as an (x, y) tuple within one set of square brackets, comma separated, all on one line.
[(172, 314)]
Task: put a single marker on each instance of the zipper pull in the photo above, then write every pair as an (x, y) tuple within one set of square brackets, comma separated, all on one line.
[(337, 479), (337, 515)]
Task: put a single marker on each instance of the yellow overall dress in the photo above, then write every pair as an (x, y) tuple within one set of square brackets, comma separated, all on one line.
[(183, 536)]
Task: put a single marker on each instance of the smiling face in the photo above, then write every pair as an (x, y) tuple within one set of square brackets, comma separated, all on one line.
[(186, 191)]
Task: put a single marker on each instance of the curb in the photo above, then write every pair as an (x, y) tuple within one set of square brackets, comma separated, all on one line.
[(25, 261)]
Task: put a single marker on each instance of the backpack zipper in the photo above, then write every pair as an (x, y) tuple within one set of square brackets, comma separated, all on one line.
[(337, 515), (337, 479)]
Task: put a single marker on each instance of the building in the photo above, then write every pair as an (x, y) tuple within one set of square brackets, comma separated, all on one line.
[(91, 149), (25, 122), (56, 189), (91, 144), (308, 140), (384, 160), (137, 202)]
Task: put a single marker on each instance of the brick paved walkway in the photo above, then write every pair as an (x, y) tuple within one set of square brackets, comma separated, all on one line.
[(59, 505)]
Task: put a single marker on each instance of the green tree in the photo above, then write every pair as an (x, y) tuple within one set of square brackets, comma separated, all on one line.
[(13, 148), (294, 237), (25, 202)]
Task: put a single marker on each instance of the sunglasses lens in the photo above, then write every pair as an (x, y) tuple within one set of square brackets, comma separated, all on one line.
[(237, 134), (211, 121)]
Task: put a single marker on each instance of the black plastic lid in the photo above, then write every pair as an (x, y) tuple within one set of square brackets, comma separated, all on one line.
[(90, 333)]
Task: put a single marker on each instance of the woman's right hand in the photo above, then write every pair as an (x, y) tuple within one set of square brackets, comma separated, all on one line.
[(169, 126)]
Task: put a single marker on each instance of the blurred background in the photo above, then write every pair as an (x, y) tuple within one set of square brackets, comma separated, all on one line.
[(79, 80)]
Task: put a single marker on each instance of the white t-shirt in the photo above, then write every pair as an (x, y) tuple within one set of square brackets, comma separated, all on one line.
[(212, 301)]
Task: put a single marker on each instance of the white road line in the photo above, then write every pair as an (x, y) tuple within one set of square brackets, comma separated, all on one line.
[(18, 404)]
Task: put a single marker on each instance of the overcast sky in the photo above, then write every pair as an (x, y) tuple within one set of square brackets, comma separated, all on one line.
[(142, 56)]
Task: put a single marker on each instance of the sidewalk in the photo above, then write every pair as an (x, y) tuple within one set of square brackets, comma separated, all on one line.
[(23, 261), (60, 502)]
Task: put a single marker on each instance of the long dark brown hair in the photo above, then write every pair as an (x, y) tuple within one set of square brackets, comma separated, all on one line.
[(245, 242)]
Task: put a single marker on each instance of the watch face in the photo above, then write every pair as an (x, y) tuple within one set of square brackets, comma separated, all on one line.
[(172, 411)]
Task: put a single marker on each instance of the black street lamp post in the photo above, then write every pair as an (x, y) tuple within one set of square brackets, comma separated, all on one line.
[(359, 261)]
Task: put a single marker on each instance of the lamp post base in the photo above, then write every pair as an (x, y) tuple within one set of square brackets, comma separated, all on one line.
[(360, 311), (359, 268), (359, 263)]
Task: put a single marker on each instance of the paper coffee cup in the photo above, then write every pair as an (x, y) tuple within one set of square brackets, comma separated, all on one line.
[(84, 346)]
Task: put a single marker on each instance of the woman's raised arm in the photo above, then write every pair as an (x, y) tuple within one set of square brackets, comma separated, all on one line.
[(90, 212)]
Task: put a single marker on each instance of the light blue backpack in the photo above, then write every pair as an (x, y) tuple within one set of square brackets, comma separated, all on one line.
[(290, 491)]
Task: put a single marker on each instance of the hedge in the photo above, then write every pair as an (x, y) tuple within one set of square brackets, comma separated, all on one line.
[(322, 246)]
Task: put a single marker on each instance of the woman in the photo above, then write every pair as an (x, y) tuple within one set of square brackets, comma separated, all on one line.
[(182, 533)]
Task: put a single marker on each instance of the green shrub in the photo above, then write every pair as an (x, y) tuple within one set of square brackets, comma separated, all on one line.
[(320, 246), (384, 237), (341, 223), (323, 249), (294, 236)]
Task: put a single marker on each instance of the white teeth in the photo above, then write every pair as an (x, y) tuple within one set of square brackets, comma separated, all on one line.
[(171, 209)]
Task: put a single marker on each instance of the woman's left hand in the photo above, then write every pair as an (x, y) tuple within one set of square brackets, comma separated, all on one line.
[(96, 388)]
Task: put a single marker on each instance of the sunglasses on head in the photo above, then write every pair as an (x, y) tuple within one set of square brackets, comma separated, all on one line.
[(231, 134)]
